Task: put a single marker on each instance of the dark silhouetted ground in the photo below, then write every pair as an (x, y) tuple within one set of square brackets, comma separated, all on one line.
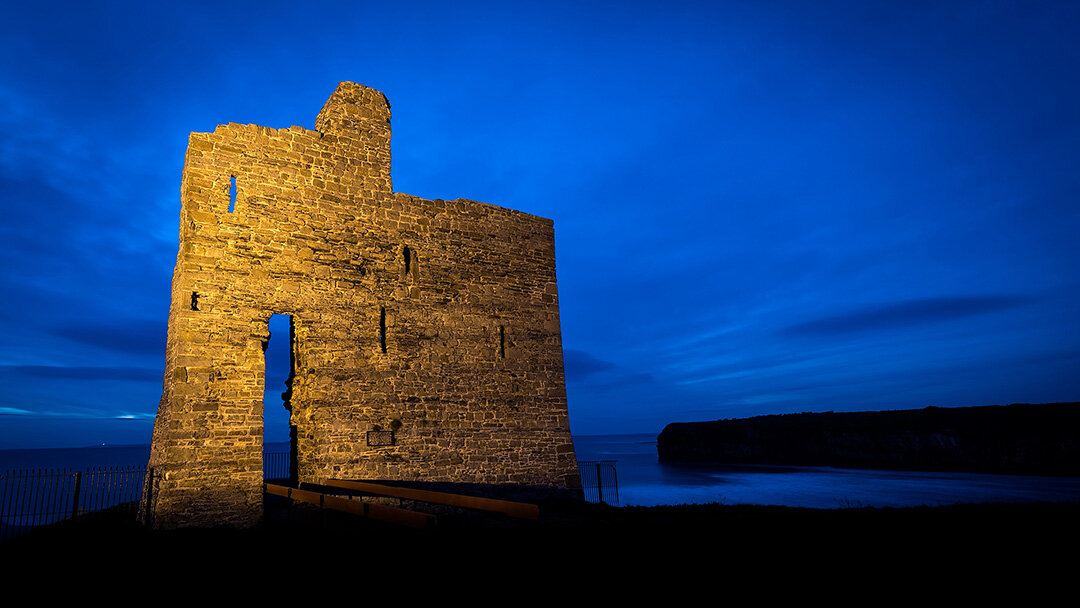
[(608, 547)]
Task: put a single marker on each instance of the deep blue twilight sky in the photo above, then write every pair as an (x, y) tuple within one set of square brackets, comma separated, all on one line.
[(760, 207)]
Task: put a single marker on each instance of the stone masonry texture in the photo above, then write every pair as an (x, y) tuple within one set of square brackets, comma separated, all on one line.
[(434, 323)]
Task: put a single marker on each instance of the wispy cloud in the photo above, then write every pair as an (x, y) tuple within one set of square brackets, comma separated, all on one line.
[(135, 416), (903, 314), (87, 372), (14, 411), (579, 365), (135, 336), (83, 414)]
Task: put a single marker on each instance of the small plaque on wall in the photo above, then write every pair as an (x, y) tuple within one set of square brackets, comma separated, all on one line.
[(380, 437)]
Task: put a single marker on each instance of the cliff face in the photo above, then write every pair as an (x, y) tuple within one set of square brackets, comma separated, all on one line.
[(1018, 439)]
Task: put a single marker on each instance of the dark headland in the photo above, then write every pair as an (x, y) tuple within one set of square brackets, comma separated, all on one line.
[(1035, 439)]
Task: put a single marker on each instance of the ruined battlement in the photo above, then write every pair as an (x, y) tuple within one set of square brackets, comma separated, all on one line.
[(353, 108), (425, 333)]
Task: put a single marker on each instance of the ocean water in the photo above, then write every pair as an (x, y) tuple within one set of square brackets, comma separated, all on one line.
[(644, 481), (76, 459)]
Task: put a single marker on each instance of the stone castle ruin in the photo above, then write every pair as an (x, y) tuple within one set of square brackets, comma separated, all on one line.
[(424, 333)]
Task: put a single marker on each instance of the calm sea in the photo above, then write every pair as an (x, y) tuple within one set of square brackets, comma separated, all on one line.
[(644, 481)]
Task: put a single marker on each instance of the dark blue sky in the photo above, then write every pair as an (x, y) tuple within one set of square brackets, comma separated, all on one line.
[(760, 207)]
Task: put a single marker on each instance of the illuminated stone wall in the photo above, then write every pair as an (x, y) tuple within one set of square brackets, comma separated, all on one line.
[(435, 320)]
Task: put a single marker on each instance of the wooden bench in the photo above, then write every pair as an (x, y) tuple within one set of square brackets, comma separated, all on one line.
[(393, 515)]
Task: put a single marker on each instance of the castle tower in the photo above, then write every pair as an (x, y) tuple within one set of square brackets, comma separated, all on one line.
[(425, 333)]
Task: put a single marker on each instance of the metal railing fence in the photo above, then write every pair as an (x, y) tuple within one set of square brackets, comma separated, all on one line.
[(37, 497), (275, 465), (599, 481)]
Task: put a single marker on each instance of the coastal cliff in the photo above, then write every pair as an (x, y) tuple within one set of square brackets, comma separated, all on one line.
[(1015, 439)]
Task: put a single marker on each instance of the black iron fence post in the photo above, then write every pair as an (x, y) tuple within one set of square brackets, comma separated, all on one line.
[(615, 481), (599, 484), (148, 497), (75, 500)]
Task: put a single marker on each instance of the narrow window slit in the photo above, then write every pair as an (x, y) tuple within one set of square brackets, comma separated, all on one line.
[(232, 193), (194, 300), (502, 342), (408, 259), (382, 329)]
